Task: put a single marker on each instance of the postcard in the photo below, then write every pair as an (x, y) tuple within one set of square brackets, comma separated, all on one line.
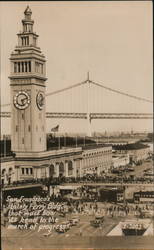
[(76, 125)]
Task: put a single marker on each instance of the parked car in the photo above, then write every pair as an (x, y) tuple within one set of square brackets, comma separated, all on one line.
[(63, 227), (98, 221), (74, 221)]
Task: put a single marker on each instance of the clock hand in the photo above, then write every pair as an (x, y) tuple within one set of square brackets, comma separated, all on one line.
[(22, 100)]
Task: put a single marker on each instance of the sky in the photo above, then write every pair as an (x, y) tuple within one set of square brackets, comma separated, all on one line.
[(111, 40)]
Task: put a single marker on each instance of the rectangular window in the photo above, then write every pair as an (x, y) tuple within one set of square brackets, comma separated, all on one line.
[(34, 41), (22, 170), (28, 128), (27, 171), (41, 68), (29, 66), (16, 128), (22, 140), (22, 65), (15, 67), (28, 40), (19, 67), (31, 171), (25, 66), (2, 182)]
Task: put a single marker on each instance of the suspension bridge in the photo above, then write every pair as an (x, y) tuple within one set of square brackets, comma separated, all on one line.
[(92, 100)]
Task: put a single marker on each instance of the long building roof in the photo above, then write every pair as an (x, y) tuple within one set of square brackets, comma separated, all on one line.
[(132, 146)]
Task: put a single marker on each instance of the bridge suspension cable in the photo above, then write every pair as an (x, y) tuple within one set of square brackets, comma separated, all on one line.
[(56, 91), (67, 88), (94, 83), (121, 93)]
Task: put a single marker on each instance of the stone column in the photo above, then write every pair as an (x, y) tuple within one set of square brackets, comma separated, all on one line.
[(80, 168), (16, 173), (47, 171), (74, 168), (12, 67), (39, 172), (32, 66), (98, 170), (35, 172), (57, 169)]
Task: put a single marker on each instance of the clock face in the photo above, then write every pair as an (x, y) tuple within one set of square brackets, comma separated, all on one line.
[(21, 100), (40, 100)]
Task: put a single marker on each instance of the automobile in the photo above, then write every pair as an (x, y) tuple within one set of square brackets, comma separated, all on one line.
[(47, 234), (74, 221), (146, 214), (98, 221), (60, 229), (147, 169), (66, 224), (130, 169), (63, 227)]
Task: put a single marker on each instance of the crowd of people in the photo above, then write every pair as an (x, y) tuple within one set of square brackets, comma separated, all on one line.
[(29, 211), (85, 179)]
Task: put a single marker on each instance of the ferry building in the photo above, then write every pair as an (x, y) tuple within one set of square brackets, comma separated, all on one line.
[(31, 159)]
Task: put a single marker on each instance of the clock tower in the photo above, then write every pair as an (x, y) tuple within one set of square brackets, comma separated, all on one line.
[(27, 82)]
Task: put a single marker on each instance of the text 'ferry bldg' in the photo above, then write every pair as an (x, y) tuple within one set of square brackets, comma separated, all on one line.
[(31, 160)]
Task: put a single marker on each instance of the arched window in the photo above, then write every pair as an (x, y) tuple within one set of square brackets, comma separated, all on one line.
[(61, 169), (3, 172), (51, 170), (10, 171), (15, 67), (70, 168), (18, 66)]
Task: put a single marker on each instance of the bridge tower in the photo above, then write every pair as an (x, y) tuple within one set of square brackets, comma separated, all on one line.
[(27, 83), (89, 133)]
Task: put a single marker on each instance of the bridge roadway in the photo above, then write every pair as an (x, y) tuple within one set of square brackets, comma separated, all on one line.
[(91, 116), (93, 184)]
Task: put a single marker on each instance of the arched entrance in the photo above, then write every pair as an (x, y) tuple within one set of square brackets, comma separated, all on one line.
[(70, 168), (3, 177), (51, 170), (9, 175), (61, 169)]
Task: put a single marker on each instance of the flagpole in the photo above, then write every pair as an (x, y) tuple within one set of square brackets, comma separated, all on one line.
[(59, 142), (4, 145)]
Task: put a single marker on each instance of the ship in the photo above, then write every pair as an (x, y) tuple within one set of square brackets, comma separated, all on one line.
[(134, 227)]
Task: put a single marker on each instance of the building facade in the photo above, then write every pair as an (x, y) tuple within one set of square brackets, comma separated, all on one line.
[(137, 152), (27, 83), (119, 160), (96, 159), (55, 163), (30, 158)]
